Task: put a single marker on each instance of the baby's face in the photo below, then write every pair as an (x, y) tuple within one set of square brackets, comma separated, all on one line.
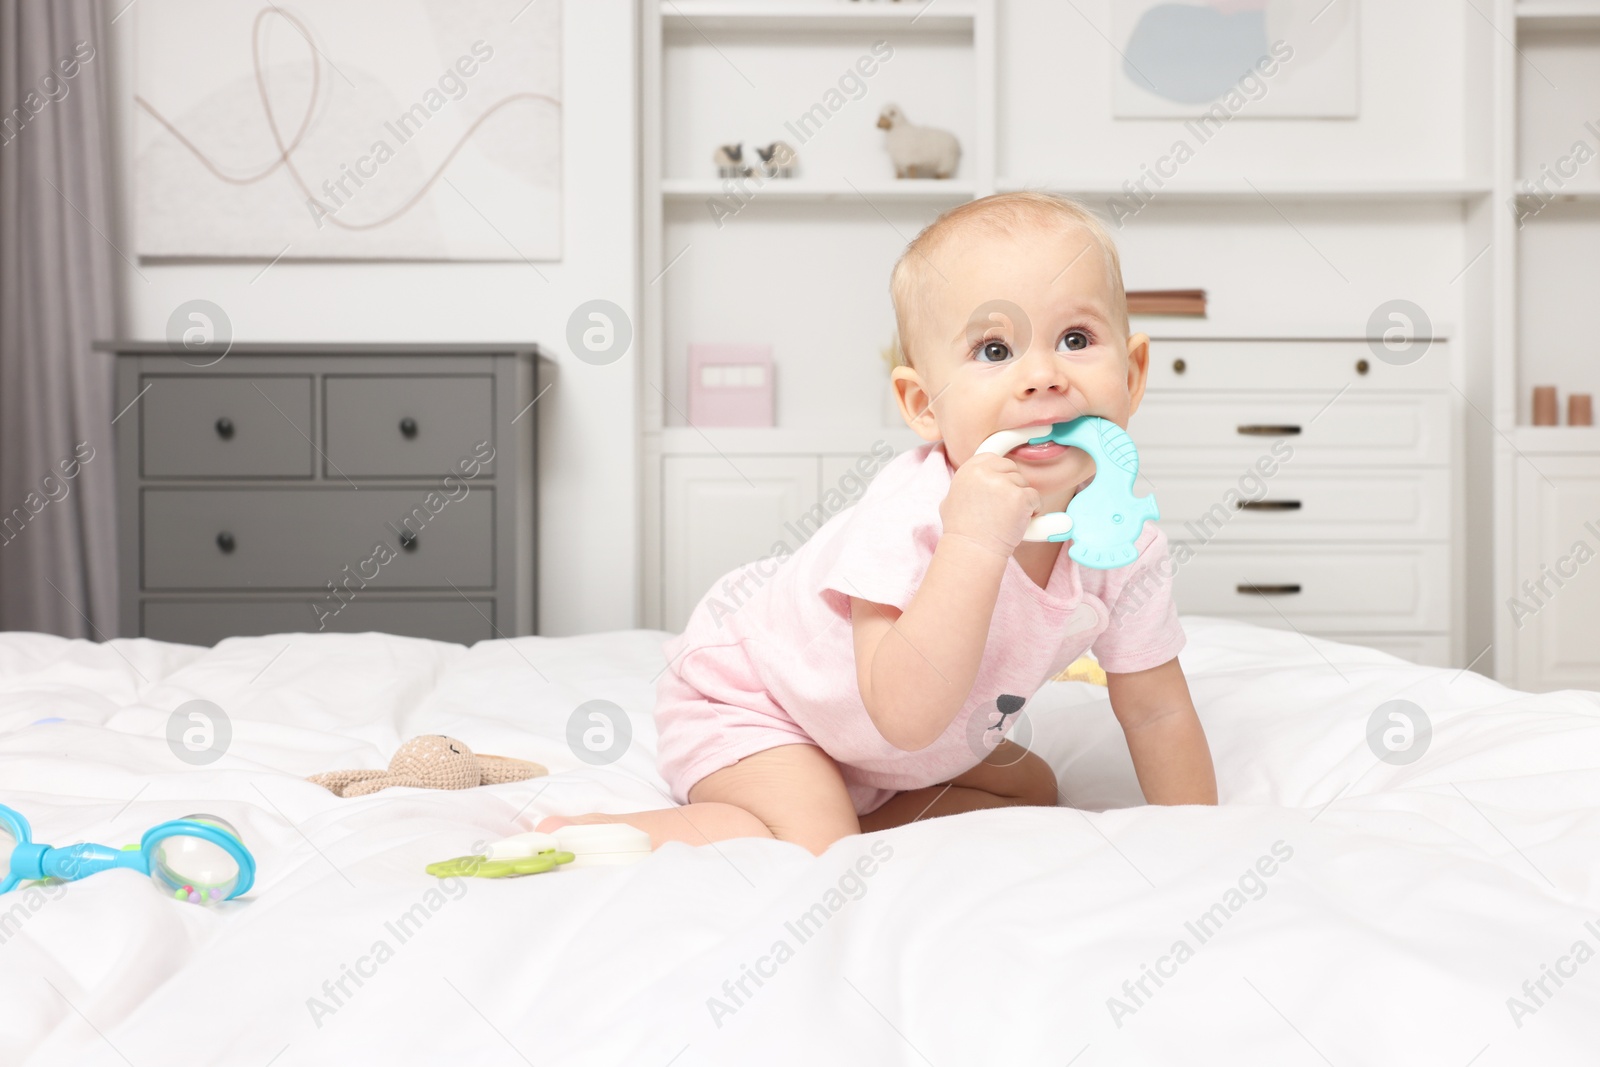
[(1020, 330)]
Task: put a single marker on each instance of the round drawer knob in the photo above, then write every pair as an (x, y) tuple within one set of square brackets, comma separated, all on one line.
[(225, 541), (408, 540), (225, 428), (1362, 366), (1179, 366), (408, 427)]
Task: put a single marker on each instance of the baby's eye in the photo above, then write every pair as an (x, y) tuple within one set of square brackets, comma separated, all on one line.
[(1073, 341), (994, 351)]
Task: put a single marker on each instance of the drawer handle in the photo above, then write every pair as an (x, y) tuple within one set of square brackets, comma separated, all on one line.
[(225, 428), (1179, 366), (408, 427), (1247, 588), (1362, 366), (408, 540), (1252, 430), (225, 541), (1269, 505)]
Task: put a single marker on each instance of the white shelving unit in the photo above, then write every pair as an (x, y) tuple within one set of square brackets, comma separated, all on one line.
[(911, 191), (717, 71), (1547, 479), (1297, 228)]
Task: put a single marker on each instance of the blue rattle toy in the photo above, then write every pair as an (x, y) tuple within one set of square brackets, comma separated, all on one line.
[(199, 859), (1104, 520)]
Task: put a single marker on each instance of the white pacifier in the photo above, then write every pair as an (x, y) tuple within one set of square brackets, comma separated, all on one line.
[(593, 844), (521, 846), (604, 844)]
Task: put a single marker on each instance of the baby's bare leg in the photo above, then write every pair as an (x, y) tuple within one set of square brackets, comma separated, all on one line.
[(792, 792), (1010, 776)]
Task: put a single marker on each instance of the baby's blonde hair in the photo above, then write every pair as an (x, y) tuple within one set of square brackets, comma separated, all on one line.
[(1000, 213)]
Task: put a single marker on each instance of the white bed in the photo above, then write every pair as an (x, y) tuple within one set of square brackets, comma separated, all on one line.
[(1413, 902)]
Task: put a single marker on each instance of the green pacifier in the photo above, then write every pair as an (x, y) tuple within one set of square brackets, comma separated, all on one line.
[(483, 867), (530, 853)]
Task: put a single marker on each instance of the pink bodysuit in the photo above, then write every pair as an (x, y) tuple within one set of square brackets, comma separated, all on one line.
[(768, 656)]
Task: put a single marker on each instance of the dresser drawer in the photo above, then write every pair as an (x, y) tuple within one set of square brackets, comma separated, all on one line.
[(398, 427), (205, 622), (1319, 588), (304, 538), (215, 427), (1310, 365), (1234, 429), (1235, 505)]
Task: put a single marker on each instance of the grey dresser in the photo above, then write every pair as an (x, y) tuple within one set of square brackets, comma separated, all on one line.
[(326, 487)]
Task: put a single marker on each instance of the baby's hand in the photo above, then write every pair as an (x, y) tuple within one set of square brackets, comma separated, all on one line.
[(989, 502)]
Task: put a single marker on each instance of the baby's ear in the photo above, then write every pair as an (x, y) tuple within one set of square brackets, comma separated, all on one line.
[(915, 403), (1138, 369)]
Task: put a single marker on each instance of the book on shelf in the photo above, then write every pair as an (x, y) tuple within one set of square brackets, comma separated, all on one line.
[(1167, 302)]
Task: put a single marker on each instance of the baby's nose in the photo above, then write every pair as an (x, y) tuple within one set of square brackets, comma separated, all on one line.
[(1042, 370)]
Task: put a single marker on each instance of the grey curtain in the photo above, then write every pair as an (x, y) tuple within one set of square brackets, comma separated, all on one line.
[(57, 279)]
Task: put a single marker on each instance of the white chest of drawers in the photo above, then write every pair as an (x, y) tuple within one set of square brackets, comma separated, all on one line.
[(345, 488), (1309, 485)]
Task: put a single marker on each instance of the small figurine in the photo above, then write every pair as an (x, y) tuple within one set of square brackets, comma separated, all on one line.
[(778, 159), (729, 159), (919, 151)]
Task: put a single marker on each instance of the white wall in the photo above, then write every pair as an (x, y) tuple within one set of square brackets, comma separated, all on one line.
[(1055, 87), (588, 464)]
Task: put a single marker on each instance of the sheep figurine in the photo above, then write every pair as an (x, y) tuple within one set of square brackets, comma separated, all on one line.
[(778, 159), (729, 159), (918, 151)]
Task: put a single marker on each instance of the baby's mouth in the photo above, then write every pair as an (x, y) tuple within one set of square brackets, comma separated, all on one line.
[(1017, 443), (1039, 453)]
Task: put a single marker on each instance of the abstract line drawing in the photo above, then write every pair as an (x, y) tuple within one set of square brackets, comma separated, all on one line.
[(1256, 58), (266, 131)]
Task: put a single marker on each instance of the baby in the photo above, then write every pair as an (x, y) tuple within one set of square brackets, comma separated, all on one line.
[(869, 678)]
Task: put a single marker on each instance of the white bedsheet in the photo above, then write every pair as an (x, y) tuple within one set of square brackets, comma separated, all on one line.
[(1405, 906)]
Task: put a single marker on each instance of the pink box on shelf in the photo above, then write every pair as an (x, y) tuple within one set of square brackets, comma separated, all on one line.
[(730, 385)]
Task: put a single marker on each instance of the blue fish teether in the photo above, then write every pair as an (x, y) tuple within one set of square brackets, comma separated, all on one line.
[(1104, 520)]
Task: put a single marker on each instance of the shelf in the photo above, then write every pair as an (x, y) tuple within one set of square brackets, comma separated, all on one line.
[(805, 190), (1190, 328), (1558, 15), (1557, 440), (927, 189), (789, 16), (785, 440), (1561, 196), (1178, 190)]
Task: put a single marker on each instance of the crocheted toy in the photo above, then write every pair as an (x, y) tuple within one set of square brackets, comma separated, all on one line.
[(431, 762)]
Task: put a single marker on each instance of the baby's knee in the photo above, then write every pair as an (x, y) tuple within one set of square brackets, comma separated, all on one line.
[(815, 839), (1036, 783), (812, 831)]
